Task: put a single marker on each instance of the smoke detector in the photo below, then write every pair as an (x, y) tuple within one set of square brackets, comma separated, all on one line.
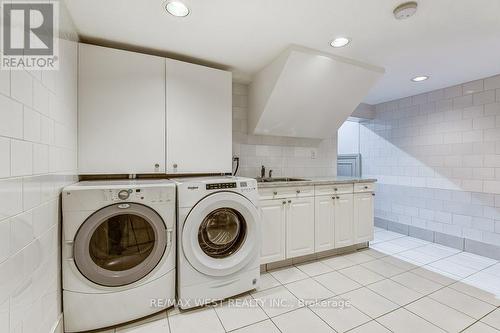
[(405, 10)]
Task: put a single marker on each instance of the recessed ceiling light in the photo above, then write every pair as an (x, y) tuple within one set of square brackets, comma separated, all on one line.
[(340, 42), (420, 78), (177, 8)]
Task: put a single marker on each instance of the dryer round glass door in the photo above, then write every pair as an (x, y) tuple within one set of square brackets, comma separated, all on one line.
[(221, 234), (120, 244)]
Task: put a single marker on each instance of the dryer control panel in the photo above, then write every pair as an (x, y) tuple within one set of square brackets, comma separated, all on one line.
[(220, 186)]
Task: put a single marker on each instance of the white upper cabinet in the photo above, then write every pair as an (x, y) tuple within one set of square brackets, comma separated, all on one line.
[(121, 112), (199, 119), (139, 113)]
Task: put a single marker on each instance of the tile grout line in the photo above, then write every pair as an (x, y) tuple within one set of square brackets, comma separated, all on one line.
[(308, 306), (389, 278), (327, 298), (406, 270), (315, 303), (444, 286), (168, 320), (336, 296), (220, 320), (268, 317), (403, 306), (247, 325), (361, 286), (479, 320)]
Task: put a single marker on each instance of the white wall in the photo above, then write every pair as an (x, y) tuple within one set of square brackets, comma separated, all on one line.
[(348, 138), (437, 160), (286, 156), (37, 158)]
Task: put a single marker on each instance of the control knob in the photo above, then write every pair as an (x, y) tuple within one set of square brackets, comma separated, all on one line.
[(123, 194)]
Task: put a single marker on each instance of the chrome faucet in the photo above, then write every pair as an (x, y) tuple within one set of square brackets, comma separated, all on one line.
[(262, 171)]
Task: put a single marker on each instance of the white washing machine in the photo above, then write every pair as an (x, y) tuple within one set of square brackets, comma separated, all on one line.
[(118, 251), (218, 232)]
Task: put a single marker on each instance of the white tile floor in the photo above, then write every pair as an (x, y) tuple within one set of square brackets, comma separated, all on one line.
[(400, 284)]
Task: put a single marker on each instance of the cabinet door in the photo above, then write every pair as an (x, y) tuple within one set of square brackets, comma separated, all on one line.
[(121, 111), (363, 217), (324, 219), (199, 120), (344, 229), (300, 227), (272, 246)]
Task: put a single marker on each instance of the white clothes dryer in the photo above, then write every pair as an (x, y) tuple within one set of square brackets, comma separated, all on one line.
[(218, 232)]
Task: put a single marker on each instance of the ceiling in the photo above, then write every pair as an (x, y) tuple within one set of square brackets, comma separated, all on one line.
[(453, 41)]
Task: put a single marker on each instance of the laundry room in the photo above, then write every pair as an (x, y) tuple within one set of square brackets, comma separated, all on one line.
[(285, 166)]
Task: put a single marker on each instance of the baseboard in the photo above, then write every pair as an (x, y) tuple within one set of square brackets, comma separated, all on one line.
[(311, 257), (460, 243)]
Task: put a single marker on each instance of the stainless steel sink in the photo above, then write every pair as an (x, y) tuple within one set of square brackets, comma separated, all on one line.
[(278, 179)]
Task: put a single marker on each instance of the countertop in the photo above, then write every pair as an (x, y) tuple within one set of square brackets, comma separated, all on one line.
[(317, 181)]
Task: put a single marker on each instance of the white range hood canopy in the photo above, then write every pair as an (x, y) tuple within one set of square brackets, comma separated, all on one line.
[(306, 93)]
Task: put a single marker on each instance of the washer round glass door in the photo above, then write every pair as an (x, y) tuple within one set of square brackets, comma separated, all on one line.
[(120, 244), (221, 234)]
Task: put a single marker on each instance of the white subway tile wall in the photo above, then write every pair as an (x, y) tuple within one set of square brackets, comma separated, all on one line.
[(38, 118), (286, 156), (437, 160)]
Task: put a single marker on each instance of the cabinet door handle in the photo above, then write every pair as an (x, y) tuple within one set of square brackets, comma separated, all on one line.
[(373, 194), (284, 202), (275, 193), (157, 165), (335, 189), (298, 191), (174, 165), (338, 197), (366, 187), (289, 201), (333, 198)]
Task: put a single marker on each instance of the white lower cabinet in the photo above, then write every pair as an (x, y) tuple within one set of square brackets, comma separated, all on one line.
[(344, 229), (363, 217), (273, 230), (324, 219), (295, 224), (300, 227), (287, 228)]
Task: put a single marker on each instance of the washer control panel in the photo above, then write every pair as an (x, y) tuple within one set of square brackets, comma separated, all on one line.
[(138, 195)]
